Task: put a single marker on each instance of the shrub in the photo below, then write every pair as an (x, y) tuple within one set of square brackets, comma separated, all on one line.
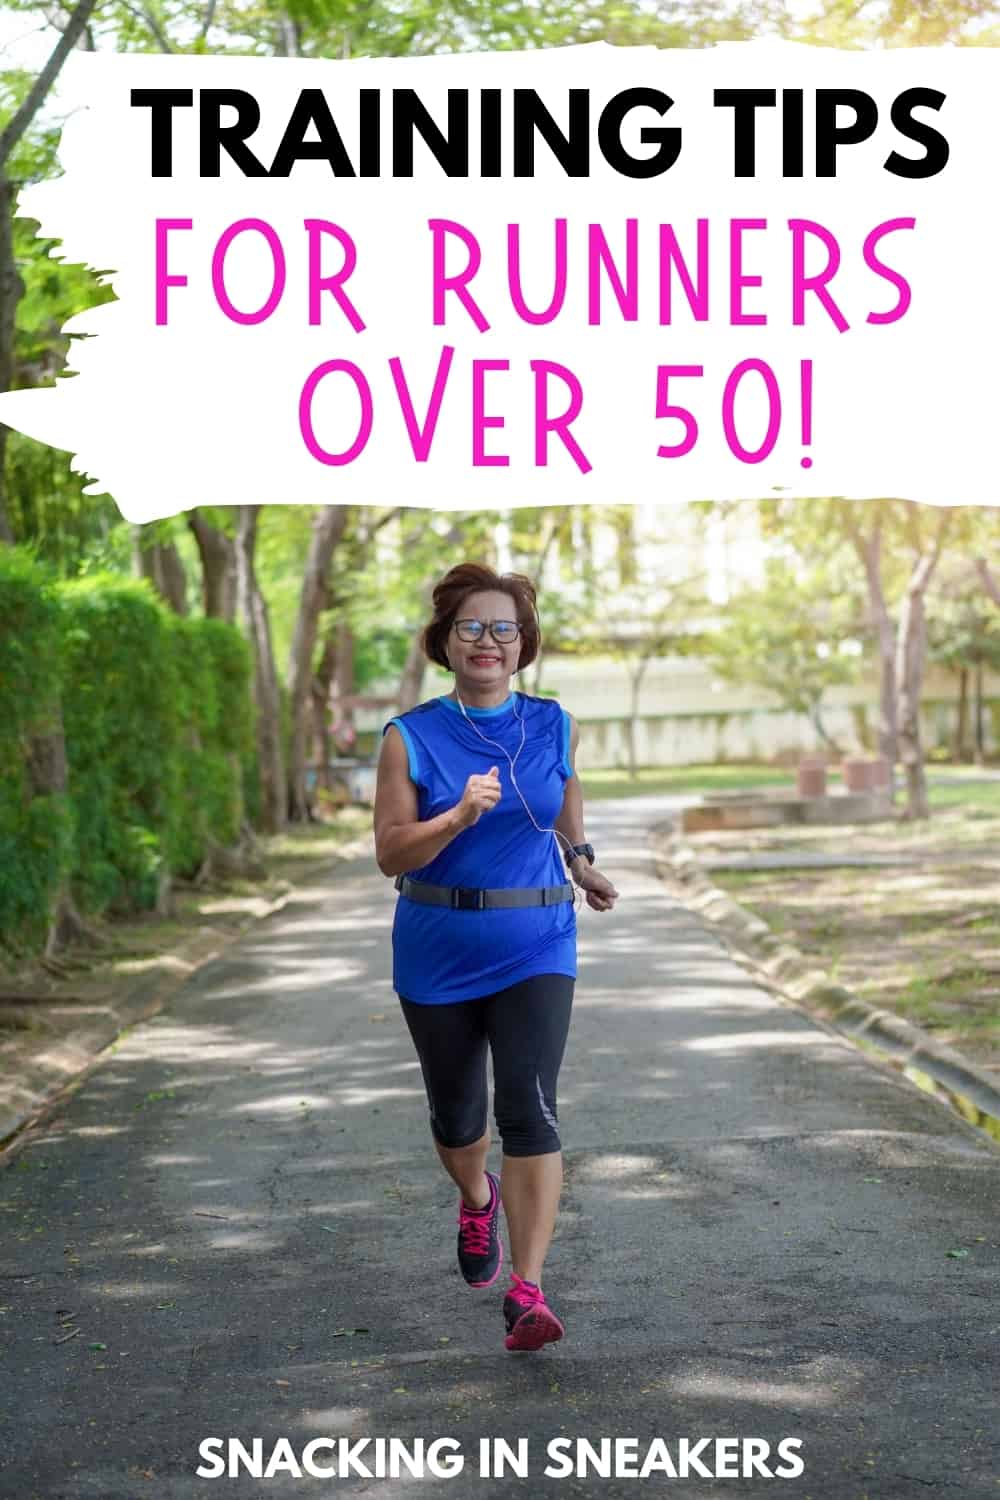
[(120, 695), (35, 820)]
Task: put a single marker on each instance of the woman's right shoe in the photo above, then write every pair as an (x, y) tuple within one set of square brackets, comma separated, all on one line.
[(530, 1321), (480, 1253)]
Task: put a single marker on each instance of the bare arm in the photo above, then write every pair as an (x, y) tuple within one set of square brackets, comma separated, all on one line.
[(570, 820), (601, 894), (402, 841)]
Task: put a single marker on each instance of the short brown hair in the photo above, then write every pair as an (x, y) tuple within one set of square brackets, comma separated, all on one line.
[(454, 588)]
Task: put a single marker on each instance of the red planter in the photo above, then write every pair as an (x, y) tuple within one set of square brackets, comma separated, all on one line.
[(859, 774), (810, 779), (883, 774)]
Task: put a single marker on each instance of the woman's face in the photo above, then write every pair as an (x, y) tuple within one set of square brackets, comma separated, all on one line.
[(484, 663)]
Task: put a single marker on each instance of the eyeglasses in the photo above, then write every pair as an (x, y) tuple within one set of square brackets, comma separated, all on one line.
[(504, 632)]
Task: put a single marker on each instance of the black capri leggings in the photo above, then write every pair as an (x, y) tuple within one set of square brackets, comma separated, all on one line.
[(525, 1027)]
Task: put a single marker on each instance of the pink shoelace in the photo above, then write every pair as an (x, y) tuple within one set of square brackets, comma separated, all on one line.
[(527, 1296), (474, 1228)]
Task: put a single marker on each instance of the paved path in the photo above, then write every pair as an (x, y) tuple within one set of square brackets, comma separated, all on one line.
[(242, 1205)]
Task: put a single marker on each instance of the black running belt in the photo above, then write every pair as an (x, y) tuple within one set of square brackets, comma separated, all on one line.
[(465, 898)]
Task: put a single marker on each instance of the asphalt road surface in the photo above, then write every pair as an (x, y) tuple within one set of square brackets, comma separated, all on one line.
[(237, 1229)]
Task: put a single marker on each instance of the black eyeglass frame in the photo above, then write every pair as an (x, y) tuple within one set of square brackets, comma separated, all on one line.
[(484, 626)]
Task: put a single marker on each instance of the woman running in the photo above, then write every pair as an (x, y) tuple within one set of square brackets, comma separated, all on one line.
[(479, 816)]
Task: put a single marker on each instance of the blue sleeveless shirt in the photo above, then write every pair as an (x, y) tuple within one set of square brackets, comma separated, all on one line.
[(442, 956)]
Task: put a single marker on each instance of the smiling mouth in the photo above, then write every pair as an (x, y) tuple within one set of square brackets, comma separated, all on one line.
[(486, 658)]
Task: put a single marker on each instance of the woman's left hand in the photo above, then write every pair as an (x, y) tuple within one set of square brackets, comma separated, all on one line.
[(601, 894)]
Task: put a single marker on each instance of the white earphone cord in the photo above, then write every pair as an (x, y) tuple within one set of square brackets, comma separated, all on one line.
[(513, 778)]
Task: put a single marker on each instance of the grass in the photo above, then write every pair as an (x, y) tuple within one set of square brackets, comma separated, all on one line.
[(952, 1003), (316, 841), (680, 780), (982, 799), (924, 942)]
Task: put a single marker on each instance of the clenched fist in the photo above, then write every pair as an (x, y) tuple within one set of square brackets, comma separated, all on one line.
[(481, 793), (600, 893)]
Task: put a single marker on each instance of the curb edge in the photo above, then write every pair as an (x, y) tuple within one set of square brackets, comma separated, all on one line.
[(787, 972)]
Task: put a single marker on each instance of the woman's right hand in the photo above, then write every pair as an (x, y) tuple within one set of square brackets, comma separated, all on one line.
[(481, 793)]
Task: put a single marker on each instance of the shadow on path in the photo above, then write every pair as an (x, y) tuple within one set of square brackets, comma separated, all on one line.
[(242, 1208)]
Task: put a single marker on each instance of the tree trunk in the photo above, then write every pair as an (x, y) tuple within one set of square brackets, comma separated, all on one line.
[(962, 726), (816, 717), (11, 291), (869, 549), (253, 612), (633, 769), (909, 672), (160, 562), (344, 670), (333, 682), (47, 773), (320, 691), (6, 529), (911, 657), (11, 285), (218, 568), (221, 865), (988, 579), (541, 561), (328, 528), (635, 686), (20, 120), (411, 679), (980, 726)]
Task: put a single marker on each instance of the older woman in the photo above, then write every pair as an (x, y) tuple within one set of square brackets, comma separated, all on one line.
[(479, 816)]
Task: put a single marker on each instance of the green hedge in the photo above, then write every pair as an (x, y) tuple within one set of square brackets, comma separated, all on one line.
[(158, 724), (123, 739), (35, 830), (216, 734)]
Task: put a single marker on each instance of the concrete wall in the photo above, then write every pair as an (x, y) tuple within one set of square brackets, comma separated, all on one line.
[(687, 716), (755, 735)]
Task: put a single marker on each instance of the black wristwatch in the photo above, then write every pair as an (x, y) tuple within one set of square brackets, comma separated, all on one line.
[(587, 850)]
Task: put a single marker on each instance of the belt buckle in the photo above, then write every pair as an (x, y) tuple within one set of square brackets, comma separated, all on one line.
[(465, 898)]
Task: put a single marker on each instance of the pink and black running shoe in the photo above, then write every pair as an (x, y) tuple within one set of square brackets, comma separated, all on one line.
[(480, 1253), (530, 1321)]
